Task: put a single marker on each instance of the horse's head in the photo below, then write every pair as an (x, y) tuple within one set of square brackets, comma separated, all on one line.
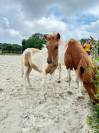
[(52, 46)]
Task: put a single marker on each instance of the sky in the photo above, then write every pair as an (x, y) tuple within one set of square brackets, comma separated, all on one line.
[(19, 19)]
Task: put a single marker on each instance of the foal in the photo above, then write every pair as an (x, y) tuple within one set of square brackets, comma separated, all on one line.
[(56, 51), (37, 59)]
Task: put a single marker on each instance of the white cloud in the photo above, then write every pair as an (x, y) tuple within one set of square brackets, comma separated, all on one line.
[(95, 10), (21, 18), (10, 35), (45, 24)]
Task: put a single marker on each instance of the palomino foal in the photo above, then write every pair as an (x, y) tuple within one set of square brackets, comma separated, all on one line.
[(56, 51), (37, 59)]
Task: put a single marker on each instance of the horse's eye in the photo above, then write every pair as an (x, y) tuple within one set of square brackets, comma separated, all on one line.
[(56, 47)]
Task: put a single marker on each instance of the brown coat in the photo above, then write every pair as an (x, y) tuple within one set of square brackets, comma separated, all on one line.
[(77, 58)]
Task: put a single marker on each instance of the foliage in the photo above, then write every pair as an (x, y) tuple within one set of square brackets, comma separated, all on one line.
[(95, 45), (95, 49), (93, 120), (83, 40), (35, 41), (10, 48)]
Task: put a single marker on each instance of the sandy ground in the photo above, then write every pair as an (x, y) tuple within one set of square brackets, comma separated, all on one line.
[(29, 112)]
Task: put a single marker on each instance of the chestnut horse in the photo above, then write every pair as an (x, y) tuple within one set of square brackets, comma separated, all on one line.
[(76, 58), (56, 52)]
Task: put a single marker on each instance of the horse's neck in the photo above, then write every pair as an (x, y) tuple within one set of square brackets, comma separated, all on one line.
[(61, 51), (62, 42)]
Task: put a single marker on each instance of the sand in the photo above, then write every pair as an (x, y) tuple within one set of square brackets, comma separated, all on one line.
[(30, 112)]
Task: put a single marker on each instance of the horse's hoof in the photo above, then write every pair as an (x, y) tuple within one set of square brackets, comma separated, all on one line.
[(58, 81), (45, 96), (81, 97), (70, 92), (93, 102), (67, 80), (96, 101)]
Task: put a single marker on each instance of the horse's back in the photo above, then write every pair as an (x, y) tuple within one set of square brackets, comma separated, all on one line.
[(73, 53)]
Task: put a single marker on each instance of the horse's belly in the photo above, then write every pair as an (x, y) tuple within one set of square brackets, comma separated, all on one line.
[(39, 60)]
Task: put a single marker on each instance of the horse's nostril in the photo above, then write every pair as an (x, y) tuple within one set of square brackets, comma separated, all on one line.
[(49, 61)]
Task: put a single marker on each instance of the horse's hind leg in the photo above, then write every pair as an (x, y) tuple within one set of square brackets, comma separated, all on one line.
[(69, 77), (25, 78), (69, 81), (27, 75)]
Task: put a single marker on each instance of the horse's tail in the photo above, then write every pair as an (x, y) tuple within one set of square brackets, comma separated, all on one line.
[(86, 72)]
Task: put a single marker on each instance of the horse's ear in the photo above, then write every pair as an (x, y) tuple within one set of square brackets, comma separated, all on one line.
[(58, 36)]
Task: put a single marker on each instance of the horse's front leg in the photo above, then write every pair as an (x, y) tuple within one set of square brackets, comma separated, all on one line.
[(52, 82), (79, 87), (60, 69)]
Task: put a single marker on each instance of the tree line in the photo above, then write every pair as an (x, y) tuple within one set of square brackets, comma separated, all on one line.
[(10, 48), (35, 41)]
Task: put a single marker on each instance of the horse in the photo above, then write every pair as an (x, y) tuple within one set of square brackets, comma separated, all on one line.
[(76, 58), (36, 59), (58, 56)]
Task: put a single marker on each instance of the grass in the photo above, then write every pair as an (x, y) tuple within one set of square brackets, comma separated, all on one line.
[(10, 54), (93, 119), (97, 58)]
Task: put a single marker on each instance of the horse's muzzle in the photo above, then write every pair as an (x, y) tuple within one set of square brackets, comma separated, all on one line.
[(49, 61)]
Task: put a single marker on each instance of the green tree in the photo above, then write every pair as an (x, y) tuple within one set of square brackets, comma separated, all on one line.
[(83, 40), (23, 44), (35, 41)]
